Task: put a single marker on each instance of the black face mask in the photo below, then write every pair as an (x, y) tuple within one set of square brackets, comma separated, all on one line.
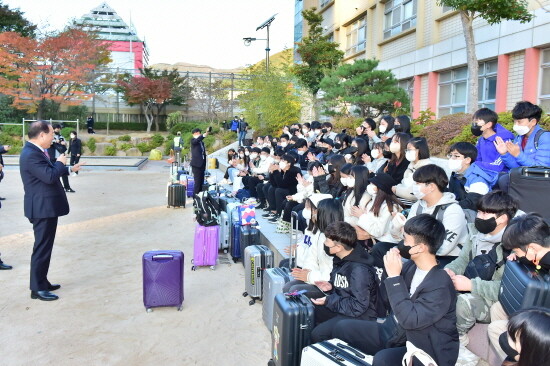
[(505, 346), (404, 250), (476, 130), (485, 226), (324, 130), (387, 154), (331, 169), (397, 128), (327, 251), (352, 150), (337, 146)]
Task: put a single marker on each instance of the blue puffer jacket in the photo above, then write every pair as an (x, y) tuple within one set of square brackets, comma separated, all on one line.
[(530, 156), (476, 174), (488, 158)]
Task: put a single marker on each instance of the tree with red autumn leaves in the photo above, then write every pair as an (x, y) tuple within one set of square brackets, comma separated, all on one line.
[(54, 68)]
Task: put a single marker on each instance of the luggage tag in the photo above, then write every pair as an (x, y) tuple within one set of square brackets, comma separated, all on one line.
[(295, 294)]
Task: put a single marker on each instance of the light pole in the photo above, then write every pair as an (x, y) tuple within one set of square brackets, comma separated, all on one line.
[(249, 40)]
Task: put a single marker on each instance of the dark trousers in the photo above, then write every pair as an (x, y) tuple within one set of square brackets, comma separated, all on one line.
[(198, 175), (270, 195), (44, 236), (260, 191), (361, 334), (65, 180), (392, 356), (280, 199), (289, 207), (325, 321), (250, 183), (378, 252), (74, 160)]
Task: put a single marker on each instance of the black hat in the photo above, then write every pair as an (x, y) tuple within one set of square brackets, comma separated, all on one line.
[(266, 150), (384, 182), (328, 141), (256, 150)]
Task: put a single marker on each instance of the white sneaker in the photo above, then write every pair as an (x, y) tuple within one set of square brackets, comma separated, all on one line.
[(73, 175), (466, 357)]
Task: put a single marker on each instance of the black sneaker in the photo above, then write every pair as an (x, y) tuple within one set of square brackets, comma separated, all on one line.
[(267, 214), (274, 219)]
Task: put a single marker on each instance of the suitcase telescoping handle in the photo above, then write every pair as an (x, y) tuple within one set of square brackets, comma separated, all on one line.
[(292, 263), (160, 257)]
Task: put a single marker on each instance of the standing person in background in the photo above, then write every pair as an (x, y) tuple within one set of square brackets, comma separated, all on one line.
[(44, 202), (198, 157), (75, 149), (90, 124), (58, 148), (242, 129)]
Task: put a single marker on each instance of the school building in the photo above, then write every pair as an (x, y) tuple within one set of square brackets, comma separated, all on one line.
[(423, 44)]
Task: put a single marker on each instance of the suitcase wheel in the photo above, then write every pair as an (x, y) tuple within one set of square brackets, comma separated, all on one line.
[(149, 310), (245, 294), (191, 260), (180, 308), (212, 268), (193, 268), (271, 363), (168, 206), (235, 260), (225, 251), (251, 302)]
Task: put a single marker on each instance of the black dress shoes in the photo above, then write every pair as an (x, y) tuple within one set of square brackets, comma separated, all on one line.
[(2, 198), (54, 287), (43, 295), (70, 190), (4, 266)]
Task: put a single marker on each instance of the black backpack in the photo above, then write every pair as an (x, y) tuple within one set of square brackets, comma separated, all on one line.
[(206, 208), (485, 265)]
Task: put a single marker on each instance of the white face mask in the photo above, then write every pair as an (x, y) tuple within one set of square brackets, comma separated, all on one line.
[(344, 181), (382, 128), (317, 132), (410, 155), (253, 156), (371, 189), (276, 161), (263, 157), (375, 154), (282, 164), (455, 165), (284, 144), (72, 136), (395, 147), (304, 131), (306, 213), (521, 130), (241, 155), (417, 192), (351, 182), (311, 133), (247, 153), (301, 152)]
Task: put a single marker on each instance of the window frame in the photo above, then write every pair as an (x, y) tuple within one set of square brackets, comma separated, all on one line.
[(409, 89), (454, 81), (544, 99), (353, 31), (391, 7), (485, 76)]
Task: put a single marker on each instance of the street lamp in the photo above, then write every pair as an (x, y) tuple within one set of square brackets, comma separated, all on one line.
[(249, 40)]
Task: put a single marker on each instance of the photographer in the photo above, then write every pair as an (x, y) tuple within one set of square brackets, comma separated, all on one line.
[(198, 157), (59, 147)]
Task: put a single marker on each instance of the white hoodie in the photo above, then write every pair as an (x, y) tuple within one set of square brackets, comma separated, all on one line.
[(303, 192), (350, 202), (315, 259), (404, 188), (378, 227), (263, 166)]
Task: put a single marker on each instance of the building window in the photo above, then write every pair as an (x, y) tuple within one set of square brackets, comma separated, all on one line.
[(399, 16), (408, 86), (545, 82), (356, 37), (453, 86), (447, 8), (322, 3), (487, 87)]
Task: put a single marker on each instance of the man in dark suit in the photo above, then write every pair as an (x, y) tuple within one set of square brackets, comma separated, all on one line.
[(45, 200), (3, 149), (198, 157)]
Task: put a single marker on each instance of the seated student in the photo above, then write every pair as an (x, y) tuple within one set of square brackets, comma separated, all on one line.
[(301, 148), (468, 182), (385, 127), (398, 163), (418, 155), (376, 159), (352, 290), (403, 124), (357, 196), (374, 221), (258, 169), (285, 176), (431, 182), (324, 147), (262, 190), (359, 148), (532, 145), (485, 125), (284, 142), (422, 299), (480, 286), (367, 131), (312, 261), (331, 184), (326, 131)]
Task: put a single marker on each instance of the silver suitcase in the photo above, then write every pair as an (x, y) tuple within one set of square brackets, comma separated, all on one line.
[(225, 231), (276, 278), (256, 259), (333, 352)]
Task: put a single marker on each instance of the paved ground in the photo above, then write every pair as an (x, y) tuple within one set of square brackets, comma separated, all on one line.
[(100, 320)]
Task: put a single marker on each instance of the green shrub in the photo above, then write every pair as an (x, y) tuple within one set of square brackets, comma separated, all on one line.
[(124, 138), (6, 139), (173, 119), (348, 123), (127, 126), (110, 151), (91, 144), (144, 147), (442, 132), (13, 130), (185, 127), (168, 144), (66, 132), (425, 118), (156, 141), (126, 147), (228, 137)]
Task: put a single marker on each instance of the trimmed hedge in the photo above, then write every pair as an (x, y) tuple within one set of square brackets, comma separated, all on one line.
[(441, 133)]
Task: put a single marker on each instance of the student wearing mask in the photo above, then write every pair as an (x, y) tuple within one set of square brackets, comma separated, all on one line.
[(418, 155), (263, 189), (422, 299), (259, 167), (324, 147), (397, 164), (367, 131), (345, 144), (75, 149), (301, 148), (376, 160), (360, 148), (284, 142), (326, 131), (357, 196), (385, 127), (403, 124), (352, 291), (479, 285), (285, 177), (333, 184)]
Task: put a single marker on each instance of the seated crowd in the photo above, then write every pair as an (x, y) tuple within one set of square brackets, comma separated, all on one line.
[(389, 234)]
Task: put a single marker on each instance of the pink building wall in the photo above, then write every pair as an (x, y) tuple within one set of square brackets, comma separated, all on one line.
[(136, 49)]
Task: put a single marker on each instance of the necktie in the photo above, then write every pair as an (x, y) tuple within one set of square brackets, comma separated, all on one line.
[(524, 142), (46, 153)]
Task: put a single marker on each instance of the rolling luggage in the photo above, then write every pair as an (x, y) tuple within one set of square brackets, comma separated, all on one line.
[(276, 278), (530, 187), (176, 195), (212, 163), (235, 241), (256, 259), (250, 235), (225, 201), (225, 231), (293, 321), (162, 279), (333, 352), (522, 287), (190, 184), (205, 251)]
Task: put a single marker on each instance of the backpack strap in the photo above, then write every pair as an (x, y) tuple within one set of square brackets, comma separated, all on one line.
[(537, 137)]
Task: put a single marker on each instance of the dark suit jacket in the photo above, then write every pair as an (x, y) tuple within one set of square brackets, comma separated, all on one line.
[(198, 152), (75, 146), (429, 315), (44, 194)]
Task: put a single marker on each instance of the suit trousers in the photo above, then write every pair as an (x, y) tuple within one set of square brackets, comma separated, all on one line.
[(198, 174), (44, 236)]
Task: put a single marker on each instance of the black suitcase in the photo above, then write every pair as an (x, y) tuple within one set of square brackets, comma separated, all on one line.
[(250, 235), (293, 321), (247, 142), (530, 187), (522, 287), (176, 195)]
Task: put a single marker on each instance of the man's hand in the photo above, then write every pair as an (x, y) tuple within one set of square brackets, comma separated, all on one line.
[(260, 177), (316, 172), (323, 285), (75, 168), (7, 147), (77, 154), (500, 145), (289, 198), (513, 149), (462, 283), (321, 301), (62, 159), (393, 263), (300, 274)]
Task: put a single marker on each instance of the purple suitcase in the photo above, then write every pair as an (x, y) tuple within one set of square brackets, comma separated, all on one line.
[(162, 279), (206, 246)]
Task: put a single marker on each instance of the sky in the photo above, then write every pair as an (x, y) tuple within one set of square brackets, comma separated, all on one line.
[(203, 32)]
